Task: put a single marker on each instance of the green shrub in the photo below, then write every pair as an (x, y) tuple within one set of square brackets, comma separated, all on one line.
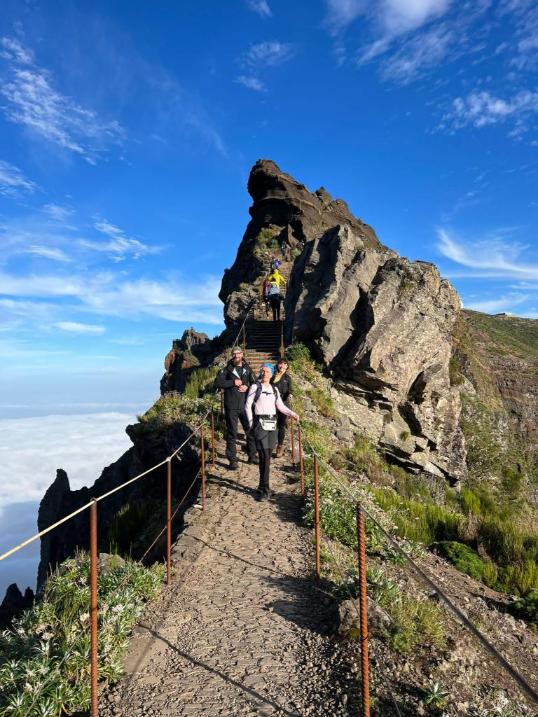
[(462, 557), (174, 408), (526, 607), (322, 401), (364, 457), (200, 382), (302, 363), (44, 663)]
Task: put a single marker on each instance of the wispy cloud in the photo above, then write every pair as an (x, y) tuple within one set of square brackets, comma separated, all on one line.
[(57, 211), (482, 109), (34, 103), (112, 294), (342, 13), (75, 327), (47, 253), (119, 245), (13, 182), (253, 83), (505, 303), (493, 256), (268, 54), (417, 55), (260, 7)]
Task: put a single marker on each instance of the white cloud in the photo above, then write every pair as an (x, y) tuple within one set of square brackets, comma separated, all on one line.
[(420, 53), (490, 257), (342, 13), (34, 103), (399, 16), (47, 253), (32, 449), (268, 54), (260, 7), (499, 304), (480, 109), (253, 83), (119, 245), (57, 212), (13, 181), (74, 327), (110, 294)]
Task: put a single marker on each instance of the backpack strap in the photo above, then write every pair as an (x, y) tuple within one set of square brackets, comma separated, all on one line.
[(259, 392)]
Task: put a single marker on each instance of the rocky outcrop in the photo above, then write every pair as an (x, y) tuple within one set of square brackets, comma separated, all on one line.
[(380, 324), (187, 353), (14, 603), (285, 217), (126, 518)]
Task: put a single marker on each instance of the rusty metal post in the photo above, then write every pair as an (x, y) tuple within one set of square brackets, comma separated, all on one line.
[(94, 560), (292, 438), (301, 458), (244, 337), (222, 402), (316, 516), (213, 438), (202, 456), (365, 683), (282, 350), (168, 521)]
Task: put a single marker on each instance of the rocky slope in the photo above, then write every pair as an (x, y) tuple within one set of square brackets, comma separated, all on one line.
[(380, 324)]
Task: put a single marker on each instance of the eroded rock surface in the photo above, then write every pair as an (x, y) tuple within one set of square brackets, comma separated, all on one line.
[(382, 325)]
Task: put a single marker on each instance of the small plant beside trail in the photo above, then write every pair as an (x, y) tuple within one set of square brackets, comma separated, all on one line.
[(44, 658), (175, 408), (200, 382)]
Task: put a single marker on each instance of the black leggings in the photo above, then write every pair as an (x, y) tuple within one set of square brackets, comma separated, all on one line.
[(264, 454), (274, 301)]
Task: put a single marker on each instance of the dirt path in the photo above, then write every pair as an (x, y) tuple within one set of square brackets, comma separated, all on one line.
[(244, 629)]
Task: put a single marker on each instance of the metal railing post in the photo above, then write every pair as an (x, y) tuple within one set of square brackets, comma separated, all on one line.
[(292, 437), (169, 520), (363, 612), (213, 438), (282, 349), (301, 458), (94, 559), (244, 336), (316, 516), (202, 456), (222, 402)]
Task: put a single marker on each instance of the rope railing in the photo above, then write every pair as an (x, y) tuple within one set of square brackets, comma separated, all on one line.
[(358, 501), (94, 557)]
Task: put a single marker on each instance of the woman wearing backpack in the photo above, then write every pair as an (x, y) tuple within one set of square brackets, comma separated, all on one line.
[(263, 403)]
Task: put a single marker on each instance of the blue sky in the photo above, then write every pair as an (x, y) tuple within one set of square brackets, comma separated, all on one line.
[(128, 130)]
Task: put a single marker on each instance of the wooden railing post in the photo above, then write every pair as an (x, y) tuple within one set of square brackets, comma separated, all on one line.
[(94, 561)]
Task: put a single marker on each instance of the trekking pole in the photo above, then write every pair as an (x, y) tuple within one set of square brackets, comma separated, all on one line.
[(213, 438), (301, 459), (363, 612)]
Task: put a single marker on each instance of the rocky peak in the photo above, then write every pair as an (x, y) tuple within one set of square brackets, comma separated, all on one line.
[(381, 324)]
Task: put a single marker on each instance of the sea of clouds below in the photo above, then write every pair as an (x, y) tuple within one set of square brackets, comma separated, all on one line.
[(31, 449)]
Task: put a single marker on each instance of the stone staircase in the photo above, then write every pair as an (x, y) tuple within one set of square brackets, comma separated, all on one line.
[(262, 333)]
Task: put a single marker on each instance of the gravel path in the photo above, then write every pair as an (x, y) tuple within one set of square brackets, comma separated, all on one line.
[(244, 629)]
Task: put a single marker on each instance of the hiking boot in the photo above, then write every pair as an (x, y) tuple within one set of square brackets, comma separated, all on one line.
[(279, 451), (233, 465), (254, 460), (260, 495)]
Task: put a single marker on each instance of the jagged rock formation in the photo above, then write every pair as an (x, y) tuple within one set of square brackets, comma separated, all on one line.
[(127, 517), (187, 353), (14, 603), (285, 217), (382, 325)]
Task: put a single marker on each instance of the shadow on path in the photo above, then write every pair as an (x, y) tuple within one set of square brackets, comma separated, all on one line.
[(223, 676)]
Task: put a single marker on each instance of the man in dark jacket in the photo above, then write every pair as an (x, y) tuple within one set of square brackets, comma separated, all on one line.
[(235, 379), (282, 381)]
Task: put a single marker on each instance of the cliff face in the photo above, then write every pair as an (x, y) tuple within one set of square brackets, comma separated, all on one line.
[(381, 325), (130, 518)]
